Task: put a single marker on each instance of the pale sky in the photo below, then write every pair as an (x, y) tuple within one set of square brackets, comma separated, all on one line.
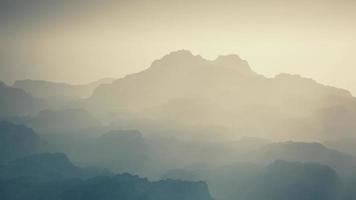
[(78, 41)]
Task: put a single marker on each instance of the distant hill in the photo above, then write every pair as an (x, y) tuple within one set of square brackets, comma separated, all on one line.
[(184, 90), (15, 101), (121, 150), (117, 150), (128, 187), (343, 163), (47, 89), (278, 180), (46, 167), (175, 75), (17, 141), (53, 177), (347, 145), (295, 181), (60, 121), (126, 137)]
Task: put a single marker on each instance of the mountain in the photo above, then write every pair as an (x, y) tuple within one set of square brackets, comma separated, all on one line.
[(17, 141), (177, 74), (347, 145), (121, 136), (343, 163), (46, 89), (295, 181), (52, 176), (275, 181), (184, 90), (227, 182), (128, 187), (15, 101), (46, 167), (61, 121), (120, 150), (348, 191)]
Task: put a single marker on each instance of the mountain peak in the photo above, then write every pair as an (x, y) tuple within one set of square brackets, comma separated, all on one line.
[(229, 58), (185, 59), (182, 52), (234, 62), (180, 57)]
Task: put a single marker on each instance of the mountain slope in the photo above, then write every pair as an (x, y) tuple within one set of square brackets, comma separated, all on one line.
[(46, 167), (17, 141), (15, 101), (186, 90), (46, 89), (53, 177), (128, 187), (343, 163), (176, 75), (295, 181), (60, 121)]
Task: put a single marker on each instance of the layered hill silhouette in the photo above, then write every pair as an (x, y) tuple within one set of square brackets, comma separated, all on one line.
[(185, 117), (46, 167), (122, 150), (14, 102), (295, 181), (17, 141), (346, 145), (47, 89), (52, 176), (277, 180), (71, 120), (343, 163), (130, 187), (182, 89)]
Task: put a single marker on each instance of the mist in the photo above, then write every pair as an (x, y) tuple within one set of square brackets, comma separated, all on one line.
[(188, 100)]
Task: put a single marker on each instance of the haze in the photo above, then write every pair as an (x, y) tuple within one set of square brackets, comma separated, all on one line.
[(177, 100), (57, 40)]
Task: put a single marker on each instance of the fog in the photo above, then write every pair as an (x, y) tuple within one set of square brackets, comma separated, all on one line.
[(188, 100), (184, 118)]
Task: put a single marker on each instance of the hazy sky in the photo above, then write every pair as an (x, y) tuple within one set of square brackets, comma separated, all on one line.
[(79, 41)]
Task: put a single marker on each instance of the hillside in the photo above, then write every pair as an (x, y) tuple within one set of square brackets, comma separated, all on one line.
[(17, 141), (53, 177), (184, 90), (15, 101), (343, 163), (46, 89)]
